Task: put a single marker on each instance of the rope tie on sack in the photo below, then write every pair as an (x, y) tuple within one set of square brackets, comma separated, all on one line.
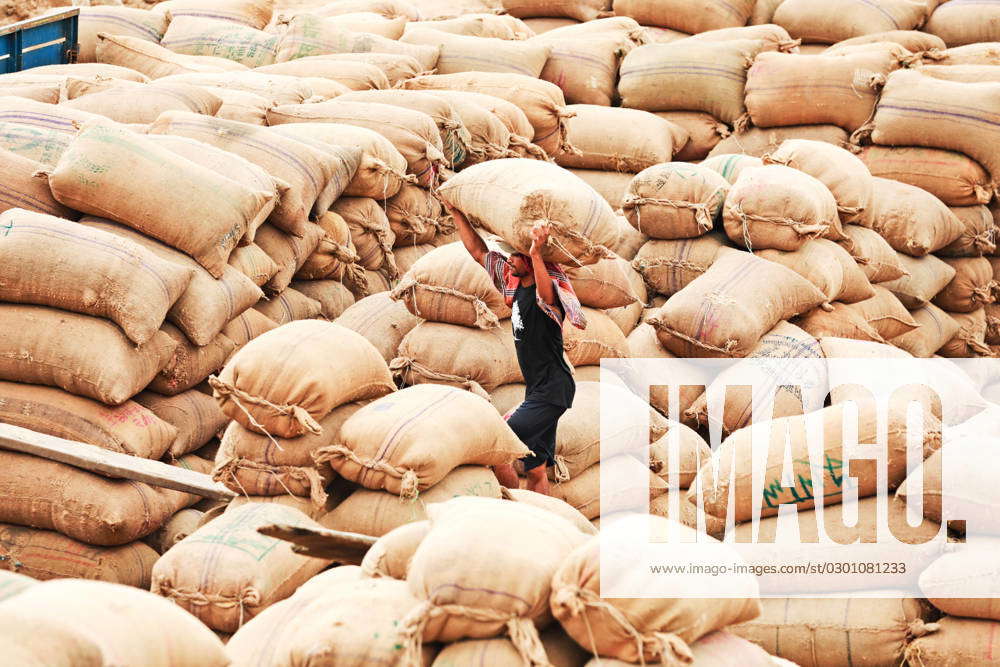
[(974, 345), (809, 230), (402, 367), (641, 265), (485, 318), (726, 350), (249, 597), (239, 397), (410, 483), (561, 469), (984, 294), (227, 473), (702, 211), (562, 115), (530, 149)]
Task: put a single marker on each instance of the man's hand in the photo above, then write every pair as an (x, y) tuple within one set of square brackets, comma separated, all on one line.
[(470, 239), (539, 237)]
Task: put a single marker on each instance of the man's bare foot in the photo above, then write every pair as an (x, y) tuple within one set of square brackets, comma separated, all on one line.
[(507, 476), (538, 480)]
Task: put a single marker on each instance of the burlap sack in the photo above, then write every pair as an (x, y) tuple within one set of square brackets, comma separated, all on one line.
[(978, 237), (877, 259), (248, 326), (935, 329), (195, 416), (447, 285), (785, 348), (925, 277), (483, 597), (583, 492), (686, 16), (396, 67), (669, 266), (371, 234), (610, 185), (287, 251), (704, 132), (12, 583), (885, 314), (551, 504), (331, 295), (378, 512), (382, 320), (254, 263), (125, 21), (129, 428), (680, 323), (413, 133), (361, 455), (510, 116), (226, 572), (734, 458), (289, 306), (949, 576), (461, 53), (730, 166), (23, 190), (828, 266), (638, 141), (970, 289), (668, 77), (951, 177), (974, 60), (633, 629), (879, 629), (176, 529), (355, 75), (602, 339), (120, 625), (276, 88), (508, 197), (759, 141), (40, 144), (251, 13), (835, 21), (310, 35), (970, 339), (912, 220), (369, 22), (541, 102), (138, 103), (153, 60), (847, 177), (87, 507), (673, 505), (335, 257), (963, 23), (44, 555), (242, 106), (323, 365), (644, 344), (840, 321), (46, 88), (416, 216), (627, 317), (502, 26), (607, 284), (559, 649), (306, 171), (208, 304), (675, 200), (488, 137), (391, 553), (388, 8), (914, 41), (190, 365)]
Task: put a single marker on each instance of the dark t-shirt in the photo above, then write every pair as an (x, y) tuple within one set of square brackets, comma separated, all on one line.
[(539, 344)]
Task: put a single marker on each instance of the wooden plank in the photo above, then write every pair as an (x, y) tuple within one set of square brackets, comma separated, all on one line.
[(111, 464), (335, 545)]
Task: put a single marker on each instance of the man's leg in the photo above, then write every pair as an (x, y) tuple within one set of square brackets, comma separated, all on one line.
[(507, 476), (527, 421), (538, 480), (537, 469)]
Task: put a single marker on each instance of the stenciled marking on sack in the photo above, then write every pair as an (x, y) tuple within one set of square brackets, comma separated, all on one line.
[(6, 229), (802, 488)]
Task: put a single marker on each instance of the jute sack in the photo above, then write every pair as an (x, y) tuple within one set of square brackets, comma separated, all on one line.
[(305, 170), (703, 130), (978, 237), (24, 190), (377, 512), (333, 297), (847, 177), (559, 650), (54, 117), (207, 304), (226, 572), (615, 139), (12, 583), (84, 355), (931, 125), (980, 55), (963, 22), (585, 69), (391, 553), (972, 287), (285, 380), (287, 251), (276, 88), (551, 504), (736, 470), (251, 13), (396, 67), (583, 492), (774, 34), (408, 255), (644, 344), (447, 285), (951, 177), (730, 166), (686, 16), (478, 597), (195, 416), (202, 36), (242, 106), (828, 266), (607, 284), (461, 53), (247, 326), (790, 89), (382, 169), (129, 428), (759, 141), (382, 320), (714, 297), (488, 138), (879, 629), (673, 505), (840, 321), (253, 464), (935, 329), (642, 630), (885, 314), (508, 197), (667, 77), (40, 88), (310, 35), (93, 70), (127, 626), (41, 144), (125, 159), (668, 266), (335, 256), (915, 41), (153, 60), (44, 555), (387, 445), (581, 11), (390, 9), (254, 263), (610, 185), (912, 220), (176, 529), (925, 277), (784, 349), (970, 339), (125, 21), (541, 102), (839, 20), (190, 365), (135, 288), (370, 232), (369, 22), (87, 507), (416, 216), (602, 339), (353, 74), (716, 649), (965, 640), (289, 306), (874, 255), (501, 26), (675, 200), (951, 576), (413, 133), (627, 317)]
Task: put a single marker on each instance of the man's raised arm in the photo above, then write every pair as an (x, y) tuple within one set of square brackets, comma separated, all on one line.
[(470, 239)]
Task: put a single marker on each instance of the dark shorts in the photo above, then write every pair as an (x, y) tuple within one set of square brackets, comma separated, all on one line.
[(534, 423)]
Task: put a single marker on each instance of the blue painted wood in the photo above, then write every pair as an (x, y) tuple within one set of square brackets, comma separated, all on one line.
[(46, 40)]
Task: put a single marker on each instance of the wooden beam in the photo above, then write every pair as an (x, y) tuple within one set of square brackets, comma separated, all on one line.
[(111, 464), (335, 545)]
